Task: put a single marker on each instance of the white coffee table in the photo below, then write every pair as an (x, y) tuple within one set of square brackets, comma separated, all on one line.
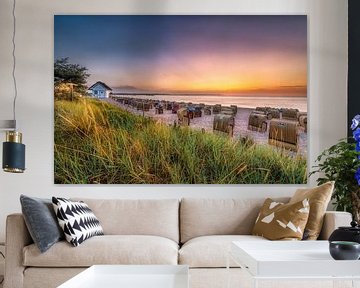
[(292, 260), (131, 276)]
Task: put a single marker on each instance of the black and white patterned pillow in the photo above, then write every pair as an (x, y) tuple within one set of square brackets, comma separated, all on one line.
[(77, 220)]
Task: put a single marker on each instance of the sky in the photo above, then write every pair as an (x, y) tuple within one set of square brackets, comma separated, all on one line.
[(224, 54)]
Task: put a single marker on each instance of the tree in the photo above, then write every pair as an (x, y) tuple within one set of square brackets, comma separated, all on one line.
[(69, 75)]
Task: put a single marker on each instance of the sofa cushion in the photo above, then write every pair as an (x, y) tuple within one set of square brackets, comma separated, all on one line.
[(279, 221), (201, 217), (35, 277), (107, 249), (211, 251), (41, 221), (158, 217), (76, 220), (319, 198)]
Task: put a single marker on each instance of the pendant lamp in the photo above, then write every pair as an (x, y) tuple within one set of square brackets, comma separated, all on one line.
[(13, 160)]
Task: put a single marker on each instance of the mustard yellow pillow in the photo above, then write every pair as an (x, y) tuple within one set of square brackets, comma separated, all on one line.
[(279, 221), (319, 198)]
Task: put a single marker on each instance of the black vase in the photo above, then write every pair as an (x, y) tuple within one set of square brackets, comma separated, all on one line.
[(350, 234), (343, 250)]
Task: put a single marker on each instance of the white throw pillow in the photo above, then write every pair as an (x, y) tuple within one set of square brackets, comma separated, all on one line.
[(76, 220)]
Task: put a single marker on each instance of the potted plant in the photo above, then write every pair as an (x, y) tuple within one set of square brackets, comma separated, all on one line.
[(341, 163)]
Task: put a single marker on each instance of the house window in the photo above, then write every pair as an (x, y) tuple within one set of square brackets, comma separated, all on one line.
[(95, 92)]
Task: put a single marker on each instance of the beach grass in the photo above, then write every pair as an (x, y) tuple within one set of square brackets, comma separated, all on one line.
[(96, 142)]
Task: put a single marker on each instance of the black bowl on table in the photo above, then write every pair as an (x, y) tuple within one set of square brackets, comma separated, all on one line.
[(344, 250)]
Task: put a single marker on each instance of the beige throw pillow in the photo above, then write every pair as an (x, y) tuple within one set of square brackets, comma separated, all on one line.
[(319, 198), (279, 221)]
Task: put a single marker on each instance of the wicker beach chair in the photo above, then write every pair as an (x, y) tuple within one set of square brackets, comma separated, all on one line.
[(235, 109), (289, 114), (175, 108), (303, 121), (262, 109), (224, 124), (197, 112), (169, 105), (257, 121), (159, 109), (228, 111), (207, 110), (217, 109), (283, 133), (183, 117), (273, 113)]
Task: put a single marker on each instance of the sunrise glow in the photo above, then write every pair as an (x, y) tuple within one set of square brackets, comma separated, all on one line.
[(255, 55)]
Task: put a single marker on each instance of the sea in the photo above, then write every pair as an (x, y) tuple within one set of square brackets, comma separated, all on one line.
[(241, 101)]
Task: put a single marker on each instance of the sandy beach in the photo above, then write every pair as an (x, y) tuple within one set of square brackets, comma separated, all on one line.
[(206, 122)]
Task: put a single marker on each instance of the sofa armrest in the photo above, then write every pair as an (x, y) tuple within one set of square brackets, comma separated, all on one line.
[(17, 237), (333, 220)]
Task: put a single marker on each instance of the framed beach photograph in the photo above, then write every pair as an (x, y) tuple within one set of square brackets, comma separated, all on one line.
[(180, 99)]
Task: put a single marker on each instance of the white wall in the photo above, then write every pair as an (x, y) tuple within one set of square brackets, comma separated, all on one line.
[(327, 89)]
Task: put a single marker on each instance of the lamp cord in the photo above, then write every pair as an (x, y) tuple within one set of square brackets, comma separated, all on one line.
[(14, 60)]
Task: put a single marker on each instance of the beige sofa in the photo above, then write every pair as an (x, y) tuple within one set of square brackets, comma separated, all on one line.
[(194, 232)]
